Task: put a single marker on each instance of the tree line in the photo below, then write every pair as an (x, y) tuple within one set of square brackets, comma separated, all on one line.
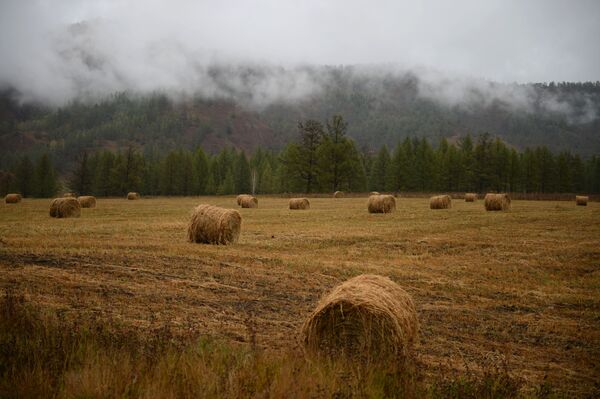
[(322, 159)]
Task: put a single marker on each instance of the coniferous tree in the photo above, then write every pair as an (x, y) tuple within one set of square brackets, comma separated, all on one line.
[(25, 176), (242, 177), (45, 178), (202, 170), (82, 178), (303, 157)]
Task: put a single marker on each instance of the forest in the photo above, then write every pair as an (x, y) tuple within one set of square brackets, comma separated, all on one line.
[(321, 158)]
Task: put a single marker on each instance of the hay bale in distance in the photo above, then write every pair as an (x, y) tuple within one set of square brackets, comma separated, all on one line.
[(496, 202), (65, 208), (367, 317), (299, 203), (374, 193), (581, 200), (249, 201), (470, 197), (213, 225), (133, 196), (383, 203), (69, 195), (12, 198), (440, 202), (240, 197), (338, 194), (87, 201)]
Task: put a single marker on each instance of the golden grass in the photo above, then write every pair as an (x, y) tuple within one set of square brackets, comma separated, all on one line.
[(519, 285)]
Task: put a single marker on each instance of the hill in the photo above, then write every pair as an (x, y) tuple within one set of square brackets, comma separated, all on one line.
[(381, 108)]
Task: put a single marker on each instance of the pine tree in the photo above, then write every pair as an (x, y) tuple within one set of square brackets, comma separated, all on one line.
[(303, 158), (82, 178), (381, 170), (242, 176), (103, 179), (25, 176), (202, 171), (45, 178)]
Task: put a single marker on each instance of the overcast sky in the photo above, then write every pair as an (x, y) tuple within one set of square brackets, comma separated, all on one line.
[(147, 44)]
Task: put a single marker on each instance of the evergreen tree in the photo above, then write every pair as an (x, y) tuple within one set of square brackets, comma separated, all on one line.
[(242, 182), (202, 170), (103, 179), (303, 158), (25, 176), (381, 171), (82, 178), (45, 178)]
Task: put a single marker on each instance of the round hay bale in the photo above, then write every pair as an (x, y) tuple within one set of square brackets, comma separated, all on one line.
[(299, 203), (65, 208), (338, 194), (133, 196), (470, 197), (69, 195), (249, 201), (240, 197), (581, 200), (213, 225), (496, 202), (374, 193), (367, 316), (12, 198), (87, 201), (381, 203), (440, 202)]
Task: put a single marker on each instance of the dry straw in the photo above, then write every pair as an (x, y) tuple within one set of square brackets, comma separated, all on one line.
[(381, 203), (368, 317), (338, 194), (248, 201), (65, 208), (133, 196), (12, 198), (496, 202), (440, 202), (470, 197), (87, 201), (299, 203), (582, 200), (213, 225)]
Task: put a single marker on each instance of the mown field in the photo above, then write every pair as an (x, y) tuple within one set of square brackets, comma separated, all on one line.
[(516, 291)]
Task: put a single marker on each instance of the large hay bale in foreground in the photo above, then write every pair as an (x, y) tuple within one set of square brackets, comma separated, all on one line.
[(299, 203), (213, 225), (582, 200), (87, 201), (470, 197), (368, 317), (249, 201), (338, 194), (440, 202), (496, 202), (65, 208), (133, 196), (381, 203), (69, 195), (12, 198)]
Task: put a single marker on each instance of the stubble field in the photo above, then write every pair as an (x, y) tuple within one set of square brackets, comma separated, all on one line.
[(519, 287)]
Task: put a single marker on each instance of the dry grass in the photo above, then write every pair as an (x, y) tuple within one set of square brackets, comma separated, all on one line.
[(518, 286)]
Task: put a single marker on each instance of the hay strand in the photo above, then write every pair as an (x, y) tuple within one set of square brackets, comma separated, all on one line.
[(12, 198), (368, 317), (381, 203), (299, 203), (581, 200), (87, 201), (213, 225), (496, 202), (440, 202), (133, 196), (65, 208), (470, 197)]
